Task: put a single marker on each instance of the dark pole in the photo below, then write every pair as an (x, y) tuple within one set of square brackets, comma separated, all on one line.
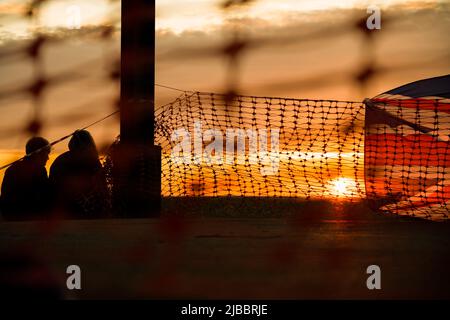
[(137, 161), (137, 71)]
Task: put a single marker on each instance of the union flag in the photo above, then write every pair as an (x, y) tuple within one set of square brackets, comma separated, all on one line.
[(407, 144)]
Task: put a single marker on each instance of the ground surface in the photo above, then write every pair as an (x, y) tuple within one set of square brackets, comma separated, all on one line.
[(317, 253)]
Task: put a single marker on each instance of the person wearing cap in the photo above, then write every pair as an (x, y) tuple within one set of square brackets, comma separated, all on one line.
[(78, 180), (25, 192)]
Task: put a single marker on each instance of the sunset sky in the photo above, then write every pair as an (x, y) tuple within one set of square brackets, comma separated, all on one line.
[(413, 45), (194, 15)]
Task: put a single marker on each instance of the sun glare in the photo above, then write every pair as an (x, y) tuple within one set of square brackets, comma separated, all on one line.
[(343, 187)]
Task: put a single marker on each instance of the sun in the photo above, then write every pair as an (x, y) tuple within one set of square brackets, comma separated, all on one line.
[(343, 187)]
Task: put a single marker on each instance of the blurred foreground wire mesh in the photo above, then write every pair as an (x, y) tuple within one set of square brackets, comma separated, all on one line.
[(323, 140)]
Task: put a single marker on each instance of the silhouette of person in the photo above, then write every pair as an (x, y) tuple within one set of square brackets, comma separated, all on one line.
[(78, 180), (25, 188)]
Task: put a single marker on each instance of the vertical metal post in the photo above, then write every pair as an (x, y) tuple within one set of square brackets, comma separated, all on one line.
[(137, 161)]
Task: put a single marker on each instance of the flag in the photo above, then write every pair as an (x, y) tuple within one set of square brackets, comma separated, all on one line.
[(407, 149)]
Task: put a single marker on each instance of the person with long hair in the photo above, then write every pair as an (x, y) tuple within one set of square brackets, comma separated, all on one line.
[(78, 180)]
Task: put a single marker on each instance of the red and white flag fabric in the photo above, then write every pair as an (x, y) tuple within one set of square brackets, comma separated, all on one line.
[(407, 149)]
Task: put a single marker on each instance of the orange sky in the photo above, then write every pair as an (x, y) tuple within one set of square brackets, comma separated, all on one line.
[(416, 39)]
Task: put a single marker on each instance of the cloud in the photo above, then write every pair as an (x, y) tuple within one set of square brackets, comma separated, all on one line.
[(316, 57), (312, 55)]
